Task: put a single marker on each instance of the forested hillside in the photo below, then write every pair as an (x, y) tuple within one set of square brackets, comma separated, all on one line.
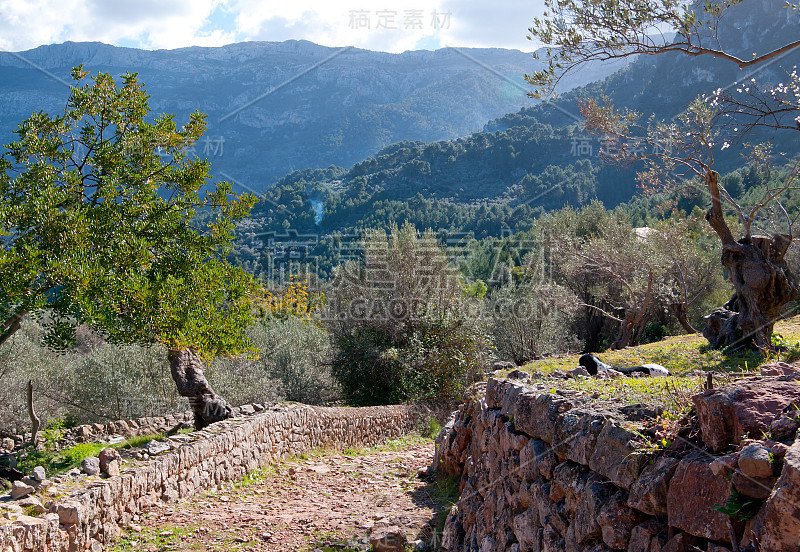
[(276, 107), (495, 182)]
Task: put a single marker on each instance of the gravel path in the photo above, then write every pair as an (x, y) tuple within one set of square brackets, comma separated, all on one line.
[(326, 501)]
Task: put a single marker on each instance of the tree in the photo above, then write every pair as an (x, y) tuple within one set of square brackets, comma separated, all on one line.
[(591, 30), (689, 270), (624, 274), (96, 212), (402, 324)]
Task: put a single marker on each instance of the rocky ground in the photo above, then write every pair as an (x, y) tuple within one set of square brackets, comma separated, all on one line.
[(324, 501)]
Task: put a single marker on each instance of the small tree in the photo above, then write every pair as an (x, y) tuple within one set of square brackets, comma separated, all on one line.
[(594, 30), (403, 327), (96, 209)]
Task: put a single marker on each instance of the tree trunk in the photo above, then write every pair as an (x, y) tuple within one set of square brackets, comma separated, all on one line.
[(625, 334), (35, 422), (187, 371), (759, 274), (681, 312)]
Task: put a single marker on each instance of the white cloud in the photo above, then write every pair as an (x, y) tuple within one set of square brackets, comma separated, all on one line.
[(388, 25)]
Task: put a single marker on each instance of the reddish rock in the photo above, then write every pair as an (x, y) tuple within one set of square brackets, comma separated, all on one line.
[(576, 433), (755, 487), (643, 535), (649, 491), (616, 454), (779, 450), (777, 525), (784, 427), (679, 543), (754, 461), (617, 521), (388, 539), (693, 493), (778, 369), (722, 465), (107, 456), (748, 408), (717, 548)]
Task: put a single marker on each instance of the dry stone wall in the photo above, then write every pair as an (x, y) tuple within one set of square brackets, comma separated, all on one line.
[(123, 428), (93, 514), (560, 471)]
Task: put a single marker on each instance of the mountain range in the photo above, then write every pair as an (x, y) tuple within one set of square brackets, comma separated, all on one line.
[(277, 107)]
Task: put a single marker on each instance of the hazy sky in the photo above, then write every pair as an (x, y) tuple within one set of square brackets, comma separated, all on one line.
[(387, 25)]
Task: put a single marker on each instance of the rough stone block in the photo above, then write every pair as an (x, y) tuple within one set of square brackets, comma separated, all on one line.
[(777, 525), (649, 491), (575, 434), (616, 454), (642, 535), (617, 521), (754, 461), (693, 493), (748, 408)]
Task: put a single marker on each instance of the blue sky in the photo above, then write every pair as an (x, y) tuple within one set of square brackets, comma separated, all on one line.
[(387, 25)]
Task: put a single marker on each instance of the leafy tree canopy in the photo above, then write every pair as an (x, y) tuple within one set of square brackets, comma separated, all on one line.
[(96, 210)]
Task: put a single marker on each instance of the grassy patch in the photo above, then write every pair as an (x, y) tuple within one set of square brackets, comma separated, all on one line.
[(673, 393), (444, 490), (392, 445), (55, 462), (163, 537), (682, 354), (59, 461), (329, 541), (139, 440)]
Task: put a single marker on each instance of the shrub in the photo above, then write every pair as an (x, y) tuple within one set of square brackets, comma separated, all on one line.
[(530, 319), (402, 326), (290, 364)]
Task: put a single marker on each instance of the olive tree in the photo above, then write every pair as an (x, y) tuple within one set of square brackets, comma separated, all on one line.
[(682, 151), (96, 212)]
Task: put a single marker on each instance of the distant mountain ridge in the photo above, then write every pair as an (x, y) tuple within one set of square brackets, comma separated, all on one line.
[(274, 107), (495, 182)]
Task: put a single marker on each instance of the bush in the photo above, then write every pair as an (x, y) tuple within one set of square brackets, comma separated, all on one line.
[(402, 326), (291, 364), (530, 319)]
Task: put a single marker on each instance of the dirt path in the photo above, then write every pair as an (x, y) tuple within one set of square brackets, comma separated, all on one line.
[(326, 501)]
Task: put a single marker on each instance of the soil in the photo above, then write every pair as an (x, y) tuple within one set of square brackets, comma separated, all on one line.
[(326, 501)]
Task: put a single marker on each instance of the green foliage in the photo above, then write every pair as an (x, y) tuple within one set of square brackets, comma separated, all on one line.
[(290, 362), (96, 208), (402, 326), (739, 507), (55, 462), (790, 350), (431, 428), (52, 432)]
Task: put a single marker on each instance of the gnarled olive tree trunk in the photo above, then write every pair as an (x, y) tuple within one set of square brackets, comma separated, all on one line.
[(187, 371), (762, 281)]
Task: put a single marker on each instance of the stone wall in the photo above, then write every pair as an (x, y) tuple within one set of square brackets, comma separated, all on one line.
[(122, 428), (93, 514), (547, 470)]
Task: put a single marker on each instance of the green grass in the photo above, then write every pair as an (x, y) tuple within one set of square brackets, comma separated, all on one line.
[(444, 490), (140, 440), (61, 461), (392, 445), (164, 537), (329, 541), (681, 354)]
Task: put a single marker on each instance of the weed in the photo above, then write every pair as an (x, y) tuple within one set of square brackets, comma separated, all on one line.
[(739, 507), (139, 440), (431, 428), (445, 491)]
